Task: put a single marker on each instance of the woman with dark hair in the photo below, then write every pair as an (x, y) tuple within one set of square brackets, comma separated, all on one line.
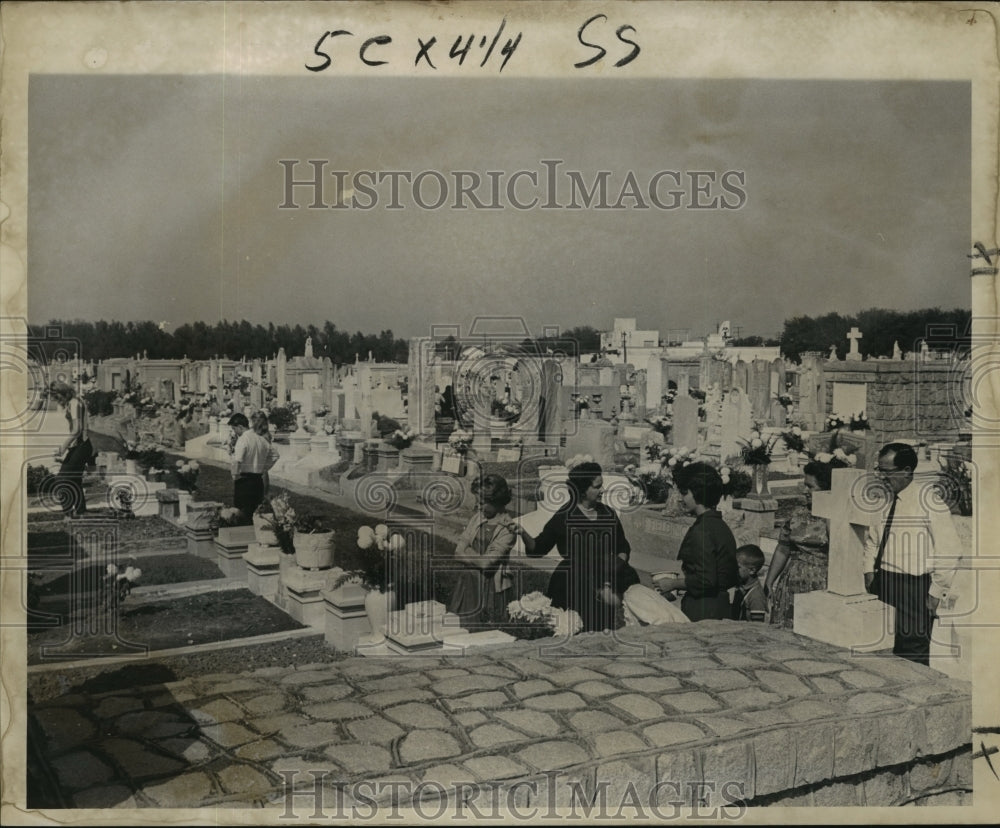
[(76, 452), (483, 588), (594, 572), (708, 551), (801, 558)]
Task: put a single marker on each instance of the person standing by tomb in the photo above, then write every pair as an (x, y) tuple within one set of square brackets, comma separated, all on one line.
[(708, 551), (594, 572), (75, 454), (911, 552), (253, 456), (262, 426), (801, 560), (483, 589)]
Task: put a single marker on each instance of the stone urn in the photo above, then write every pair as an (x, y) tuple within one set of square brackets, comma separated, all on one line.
[(203, 515), (314, 550)]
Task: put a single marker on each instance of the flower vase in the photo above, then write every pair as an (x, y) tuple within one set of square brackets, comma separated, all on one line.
[(760, 480), (378, 605), (314, 550), (262, 531)]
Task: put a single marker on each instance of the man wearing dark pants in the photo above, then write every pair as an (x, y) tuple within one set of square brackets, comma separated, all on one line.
[(909, 547), (252, 456)]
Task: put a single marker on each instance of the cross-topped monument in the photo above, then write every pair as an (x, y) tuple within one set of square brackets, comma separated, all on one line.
[(854, 335), (845, 614)]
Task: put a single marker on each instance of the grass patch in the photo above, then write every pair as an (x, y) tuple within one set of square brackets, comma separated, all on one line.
[(162, 625)]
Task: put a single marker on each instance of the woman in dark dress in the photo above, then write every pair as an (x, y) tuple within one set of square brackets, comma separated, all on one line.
[(708, 551), (594, 572)]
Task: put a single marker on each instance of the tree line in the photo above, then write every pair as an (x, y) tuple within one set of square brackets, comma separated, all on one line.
[(881, 329), (199, 340)]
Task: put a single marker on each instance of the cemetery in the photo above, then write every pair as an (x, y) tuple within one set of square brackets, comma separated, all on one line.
[(736, 714)]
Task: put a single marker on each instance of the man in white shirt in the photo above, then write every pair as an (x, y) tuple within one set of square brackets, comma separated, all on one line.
[(252, 456), (916, 548)]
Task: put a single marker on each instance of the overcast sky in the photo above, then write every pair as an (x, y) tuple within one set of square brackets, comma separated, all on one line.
[(156, 197)]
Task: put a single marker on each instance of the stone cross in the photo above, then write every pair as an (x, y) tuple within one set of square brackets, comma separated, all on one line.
[(849, 523), (854, 335)]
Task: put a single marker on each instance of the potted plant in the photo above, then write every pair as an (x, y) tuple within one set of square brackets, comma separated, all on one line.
[(368, 563), (266, 523), (313, 542), (795, 443), (401, 438)]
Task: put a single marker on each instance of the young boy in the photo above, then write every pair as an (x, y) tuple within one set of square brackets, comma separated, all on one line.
[(749, 603)]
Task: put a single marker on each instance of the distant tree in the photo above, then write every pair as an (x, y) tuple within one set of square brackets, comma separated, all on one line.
[(747, 342), (880, 329)]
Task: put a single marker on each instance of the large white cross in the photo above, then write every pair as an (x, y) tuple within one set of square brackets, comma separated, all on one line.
[(849, 522), (854, 335)]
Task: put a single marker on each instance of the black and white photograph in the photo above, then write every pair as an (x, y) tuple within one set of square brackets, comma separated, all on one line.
[(489, 412)]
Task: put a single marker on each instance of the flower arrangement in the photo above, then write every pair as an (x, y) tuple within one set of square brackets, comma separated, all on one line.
[(735, 482), (670, 396), (859, 422), (230, 516), (756, 451), (672, 456), (187, 475), (535, 611), (512, 411), (785, 401), (279, 517), (838, 458), (582, 402), (662, 424), (116, 585), (147, 453), (460, 440), (650, 484), (835, 421), (401, 437), (122, 502), (329, 428), (369, 561), (793, 439)]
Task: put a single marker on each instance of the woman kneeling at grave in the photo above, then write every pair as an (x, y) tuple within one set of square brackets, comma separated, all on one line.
[(708, 551), (594, 572), (801, 558), (484, 588)]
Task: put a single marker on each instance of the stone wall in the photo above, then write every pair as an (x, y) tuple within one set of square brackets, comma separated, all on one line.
[(905, 399)]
